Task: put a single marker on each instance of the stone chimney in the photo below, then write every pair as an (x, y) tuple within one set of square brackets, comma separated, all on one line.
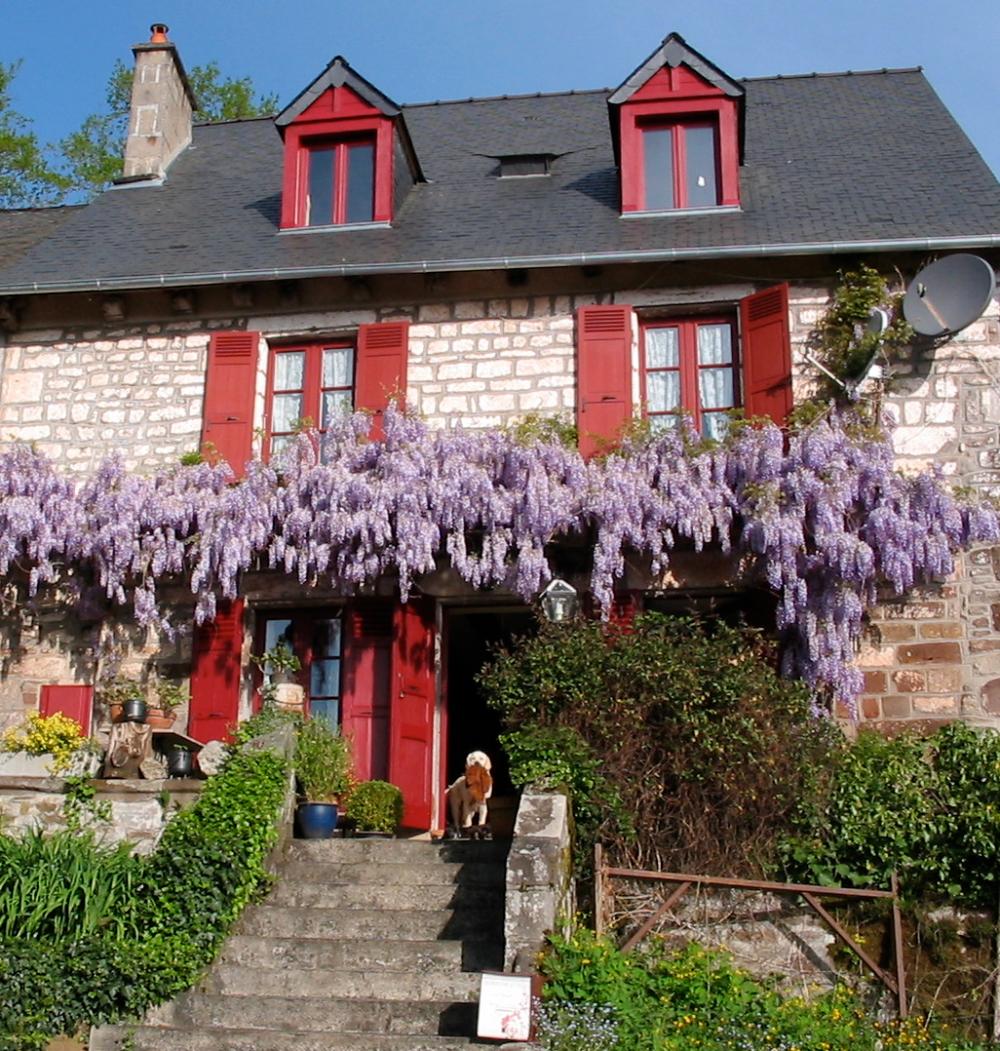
[(159, 123)]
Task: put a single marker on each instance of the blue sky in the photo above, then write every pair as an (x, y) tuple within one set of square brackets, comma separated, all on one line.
[(417, 50)]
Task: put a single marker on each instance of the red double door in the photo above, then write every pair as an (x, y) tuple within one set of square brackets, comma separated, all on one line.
[(388, 692)]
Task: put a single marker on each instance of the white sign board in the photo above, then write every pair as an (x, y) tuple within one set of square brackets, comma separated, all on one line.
[(505, 1007)]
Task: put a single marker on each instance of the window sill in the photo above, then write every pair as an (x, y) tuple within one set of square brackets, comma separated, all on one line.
[(336, 227), (719, 209)]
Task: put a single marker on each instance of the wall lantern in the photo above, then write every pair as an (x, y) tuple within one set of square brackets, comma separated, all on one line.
[(560, 602)]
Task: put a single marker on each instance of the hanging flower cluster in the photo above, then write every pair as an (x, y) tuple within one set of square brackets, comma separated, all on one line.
[(825, 520)]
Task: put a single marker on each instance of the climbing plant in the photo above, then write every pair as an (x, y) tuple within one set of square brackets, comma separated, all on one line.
[(821, 516)]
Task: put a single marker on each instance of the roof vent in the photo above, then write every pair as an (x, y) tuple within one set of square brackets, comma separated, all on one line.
[(520, 164)]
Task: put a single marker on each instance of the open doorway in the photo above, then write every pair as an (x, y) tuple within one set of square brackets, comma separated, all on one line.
[(472, 635)]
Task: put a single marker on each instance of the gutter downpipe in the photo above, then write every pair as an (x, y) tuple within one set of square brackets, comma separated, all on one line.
[(653, 255)]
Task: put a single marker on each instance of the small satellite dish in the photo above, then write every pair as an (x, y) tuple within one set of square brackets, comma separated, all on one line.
[(949, 294), (878, 321)]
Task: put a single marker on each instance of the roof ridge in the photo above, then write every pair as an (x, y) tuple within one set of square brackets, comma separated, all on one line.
[(41, 208), (505, 98), (838, 73)]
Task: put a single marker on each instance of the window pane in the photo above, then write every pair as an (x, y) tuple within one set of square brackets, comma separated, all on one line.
[(279, 442), (319, 205), (715, 345), (338, 366), (714, 425), (658, 160), (666, 422), (327, 711), (277, 631), (701, 184), (360, 183), (335, 402), (715, 388), (288, 371), (325, 679), (662, 348), (286, 410), (663, 391), (326, 638)]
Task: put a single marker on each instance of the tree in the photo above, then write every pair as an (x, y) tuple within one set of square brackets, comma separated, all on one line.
[(92, 155), (25, 176)]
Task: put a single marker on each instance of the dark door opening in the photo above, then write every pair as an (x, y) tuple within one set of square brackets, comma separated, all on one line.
[(472, 636)]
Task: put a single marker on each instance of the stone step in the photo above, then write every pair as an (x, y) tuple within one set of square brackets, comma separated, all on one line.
[(422, 957), (195, 1010), (154, 1038), (230, 980), (393, 896), (389, 874), (398, 924), (397, 851)]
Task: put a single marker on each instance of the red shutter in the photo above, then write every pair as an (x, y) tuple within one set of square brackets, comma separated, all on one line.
[(367, 662), (230, 386), (76, 702), (216, 667), (767, 354), (411, 716), (604, 375), (381, 369)]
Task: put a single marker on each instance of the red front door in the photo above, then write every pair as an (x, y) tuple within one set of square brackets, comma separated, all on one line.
[(411, 717)]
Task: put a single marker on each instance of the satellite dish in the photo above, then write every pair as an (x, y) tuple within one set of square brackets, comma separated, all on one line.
[(878, 321), (949, 294)]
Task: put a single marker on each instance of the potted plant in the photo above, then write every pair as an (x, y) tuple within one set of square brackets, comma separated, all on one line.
[(114, 692), (180, 762), (323, 771), (170, 696), (279, 689), (376, 807), (47, 745)]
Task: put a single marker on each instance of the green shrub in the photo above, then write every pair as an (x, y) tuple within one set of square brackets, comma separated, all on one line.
[(656, 999), (376, 806), (322, 762), (680, 726), (926, 808), (208, 865)]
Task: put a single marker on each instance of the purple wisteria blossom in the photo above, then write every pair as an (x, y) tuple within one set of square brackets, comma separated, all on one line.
[(821, 517)]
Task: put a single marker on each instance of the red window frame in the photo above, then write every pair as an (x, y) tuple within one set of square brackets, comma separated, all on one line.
[(679, 129), (688, 366), (341, 149), (312, 388)]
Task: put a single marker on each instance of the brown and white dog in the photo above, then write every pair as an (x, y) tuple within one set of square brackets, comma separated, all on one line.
[(468, 794)]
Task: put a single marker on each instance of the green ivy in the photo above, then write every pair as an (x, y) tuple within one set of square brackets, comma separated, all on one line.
[(208, 866)]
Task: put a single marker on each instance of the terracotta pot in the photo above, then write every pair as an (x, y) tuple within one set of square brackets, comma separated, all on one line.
[(116, 712), (159, 719)]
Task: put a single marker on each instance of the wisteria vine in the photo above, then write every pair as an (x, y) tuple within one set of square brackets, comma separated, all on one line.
[(822, 516)]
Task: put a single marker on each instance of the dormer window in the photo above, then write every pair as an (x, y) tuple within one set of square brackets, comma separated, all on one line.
[(348, 157), (676, 126), (519, 165), (340, 182)]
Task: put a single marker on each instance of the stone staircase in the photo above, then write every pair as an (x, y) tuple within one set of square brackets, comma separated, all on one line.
[(364, 944)]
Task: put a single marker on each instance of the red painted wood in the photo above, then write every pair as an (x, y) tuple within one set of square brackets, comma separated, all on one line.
[(365, 687), (381, 369), (230, 383), (625, 608), (217, 651), (604, 375), (767, 354), (75, 702), (338, 113), (676, 82), (411, 717)]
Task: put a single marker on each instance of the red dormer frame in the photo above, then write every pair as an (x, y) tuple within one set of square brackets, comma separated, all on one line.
[(337, 116), (679, 89)]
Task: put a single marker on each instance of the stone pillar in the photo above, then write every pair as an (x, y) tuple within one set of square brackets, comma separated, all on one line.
[(159, 123)]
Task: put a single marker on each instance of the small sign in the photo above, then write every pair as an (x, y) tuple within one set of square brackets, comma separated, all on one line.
[(505, 1007)]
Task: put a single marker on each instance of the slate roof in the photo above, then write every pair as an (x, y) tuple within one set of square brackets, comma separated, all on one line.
[(832, 162), (20, 228)]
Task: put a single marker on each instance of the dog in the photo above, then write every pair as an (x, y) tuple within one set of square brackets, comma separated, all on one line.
[(468, 794)]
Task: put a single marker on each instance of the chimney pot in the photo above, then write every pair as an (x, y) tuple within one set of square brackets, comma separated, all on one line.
[(159, 33)]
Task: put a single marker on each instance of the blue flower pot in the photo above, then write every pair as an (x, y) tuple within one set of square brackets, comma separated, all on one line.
[(316, 820)]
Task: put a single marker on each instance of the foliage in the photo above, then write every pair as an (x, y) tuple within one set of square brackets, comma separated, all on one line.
[(208, 865), (26, 178), (81, 807), (92, 155), (928, 809), (376, 806), (841, 341), (322, 762), (661, 1000), (170, 694), (117, 690), (534, 427), (725, 743), (266, 721), (43, 734), (824, 523), (65, 886)]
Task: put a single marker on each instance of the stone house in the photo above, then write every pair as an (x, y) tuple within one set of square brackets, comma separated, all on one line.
[(596, 255)]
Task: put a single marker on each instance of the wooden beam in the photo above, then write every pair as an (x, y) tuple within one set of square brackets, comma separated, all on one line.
[(656, 917)]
